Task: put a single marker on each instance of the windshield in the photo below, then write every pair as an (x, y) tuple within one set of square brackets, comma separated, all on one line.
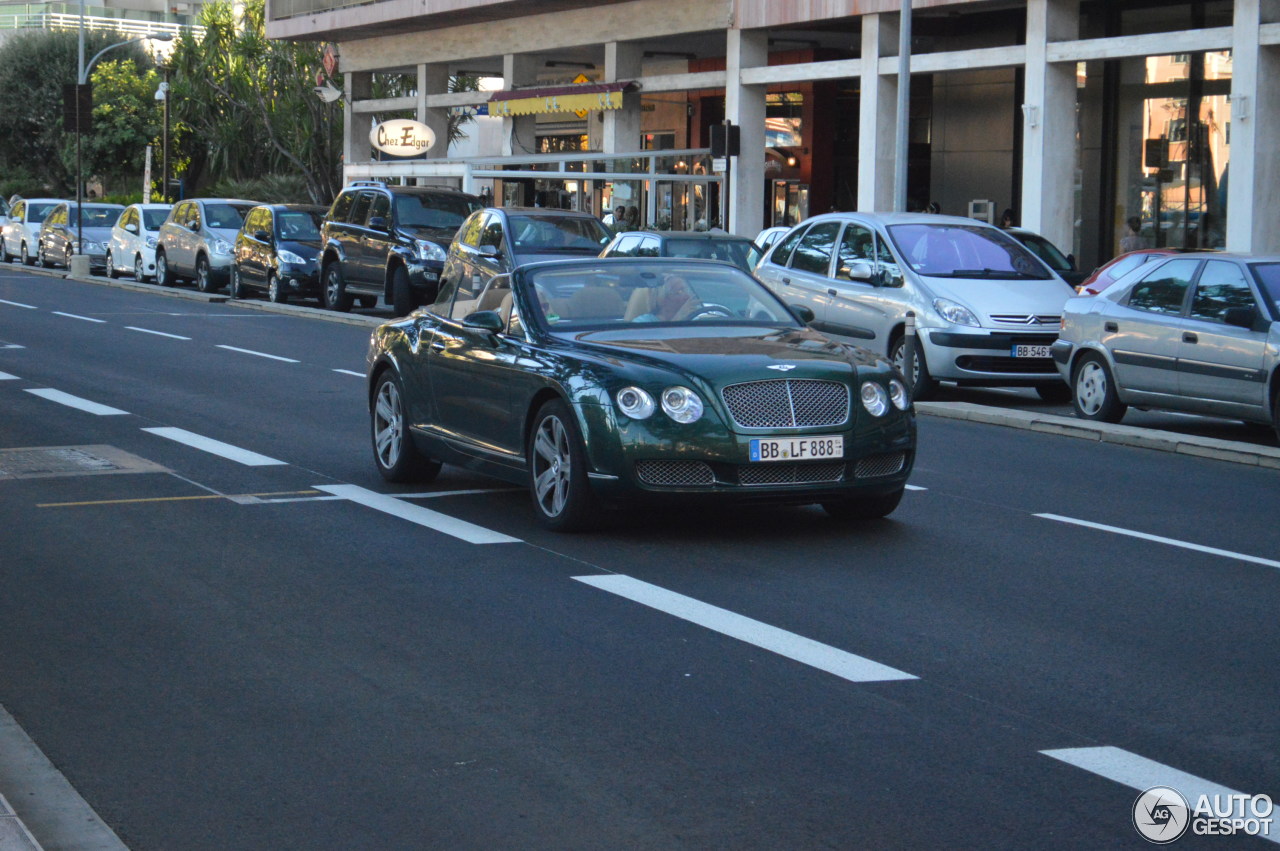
[(1268, 276), (298, 225), (153, 219), (735, 251), (619, 294), (225, 216), (573, 234), (1046, 251), (38, 212), (965, 251), (445, 212), (98, 217)]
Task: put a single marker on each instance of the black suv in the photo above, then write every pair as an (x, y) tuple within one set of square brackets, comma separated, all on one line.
[(389, 242)]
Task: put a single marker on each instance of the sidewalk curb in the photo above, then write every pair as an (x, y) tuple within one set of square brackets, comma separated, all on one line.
[(1145, 438), (14, 835)]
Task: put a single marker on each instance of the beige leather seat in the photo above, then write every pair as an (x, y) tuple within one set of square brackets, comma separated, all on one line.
[(641, 302), (595, 303)]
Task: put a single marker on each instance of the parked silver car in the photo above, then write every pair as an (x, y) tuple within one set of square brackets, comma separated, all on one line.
[(197, 242), (64, 228), (20, 236), (986, 308), (1198, 333)]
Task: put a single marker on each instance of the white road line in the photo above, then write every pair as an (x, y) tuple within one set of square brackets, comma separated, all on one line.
[(76, 402), (12, 346), (807, 651), (1138, 772), (4, 376), (258, 354), (77, 316), (456, 493), (460, 529), (215, 447), (1266, 562), (349, 372), (157, 333), (916, 488), (19, 304)]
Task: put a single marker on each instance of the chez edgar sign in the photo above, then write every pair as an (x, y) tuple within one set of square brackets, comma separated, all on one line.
[(402, 137)]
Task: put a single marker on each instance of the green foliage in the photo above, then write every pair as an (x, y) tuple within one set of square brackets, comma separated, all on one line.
[(34, 66), (125, 120), (269, 189)]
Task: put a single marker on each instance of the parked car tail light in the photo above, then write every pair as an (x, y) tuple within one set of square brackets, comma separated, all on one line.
[(681, 404), (874, 399), (635, 403)]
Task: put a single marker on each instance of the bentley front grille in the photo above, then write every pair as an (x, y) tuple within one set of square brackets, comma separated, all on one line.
[(787, 403), (790, 474), (875, 466)]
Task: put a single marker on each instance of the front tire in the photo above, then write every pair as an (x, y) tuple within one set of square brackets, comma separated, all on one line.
[(1093, 391), (204, 277), (394, 452), (562, 497), (402, 299), (42, 258), (237, 289), (27, 259), (111, 267), (923, 385), (864, 507), (275, 290), (138, 274), (164, 275), (334, 290)]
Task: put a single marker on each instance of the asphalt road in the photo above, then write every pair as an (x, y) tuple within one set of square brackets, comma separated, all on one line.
[(220, 654)]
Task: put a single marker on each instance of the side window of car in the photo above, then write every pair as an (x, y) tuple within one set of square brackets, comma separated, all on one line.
[(650, 246), (444, 298), (1164, 289), (1222, 285), (342, 207), (890, 270), (381, 207), (471, 230), (467, 298), (813, 254), (627, 247), (19, 210), (858, 245), (492, 234), (193, 219), (782, 254), (360, 209)]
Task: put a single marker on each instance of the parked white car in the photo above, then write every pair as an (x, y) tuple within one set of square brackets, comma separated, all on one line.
[(132, 249), (986, 308), (21, 231)]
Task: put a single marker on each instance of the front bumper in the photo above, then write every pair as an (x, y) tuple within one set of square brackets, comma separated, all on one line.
[(301, 279), (985, 358)]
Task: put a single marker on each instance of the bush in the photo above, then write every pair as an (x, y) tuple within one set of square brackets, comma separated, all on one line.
[(268, 189)]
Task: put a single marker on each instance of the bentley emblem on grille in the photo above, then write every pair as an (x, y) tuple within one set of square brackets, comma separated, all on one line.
[(783, 367)]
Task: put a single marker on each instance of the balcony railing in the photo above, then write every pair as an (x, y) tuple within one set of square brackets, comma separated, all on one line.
[(64, 21)]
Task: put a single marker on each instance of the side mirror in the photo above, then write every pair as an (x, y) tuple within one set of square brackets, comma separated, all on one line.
[(483, 320), (489, 251), (859, 272), (378, 223), (1071, 261), (1241, 317), (802, 312), (262, 236), (131, 228)]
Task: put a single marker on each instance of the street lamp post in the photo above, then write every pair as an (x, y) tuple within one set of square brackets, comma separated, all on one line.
[(79, 260)]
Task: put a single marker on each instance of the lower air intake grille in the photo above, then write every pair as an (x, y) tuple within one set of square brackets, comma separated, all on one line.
[(790, 474), (875, 466), (675, 474)]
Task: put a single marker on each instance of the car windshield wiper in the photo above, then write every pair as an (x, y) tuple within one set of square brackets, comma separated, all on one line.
[(995, 274)]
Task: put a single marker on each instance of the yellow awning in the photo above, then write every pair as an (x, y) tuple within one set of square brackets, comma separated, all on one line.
[(556, 103)]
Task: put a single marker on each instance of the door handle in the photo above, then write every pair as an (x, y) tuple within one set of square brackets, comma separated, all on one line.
[(1189, 337), (1110, 326), (786, 280), (831, 292), (437, 345)]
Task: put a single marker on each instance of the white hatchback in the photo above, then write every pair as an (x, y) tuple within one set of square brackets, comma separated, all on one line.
[(132, 249), (20, 236)]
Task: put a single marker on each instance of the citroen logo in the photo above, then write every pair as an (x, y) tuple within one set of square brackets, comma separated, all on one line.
[(783, 367)]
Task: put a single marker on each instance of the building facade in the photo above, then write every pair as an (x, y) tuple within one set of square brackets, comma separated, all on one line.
[(1077, 115)]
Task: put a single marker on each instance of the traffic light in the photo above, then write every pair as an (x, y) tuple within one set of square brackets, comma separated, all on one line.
[(726, 140)]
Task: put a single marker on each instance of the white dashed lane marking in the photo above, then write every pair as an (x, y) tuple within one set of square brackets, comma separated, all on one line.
[(461, 529), (805, 650), (215, 447), (1172, 542), (81, 318), (4, 376), (75, 402), (19, 304), (157, 333), (350, 372), (258, 354)]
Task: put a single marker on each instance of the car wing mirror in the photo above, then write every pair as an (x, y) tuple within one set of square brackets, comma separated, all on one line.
[(802, 312), (1071, 261), (490, 251), (1241, 317), (483, 320), (378, 223), (131, 228), (858, 272), (262, 236)]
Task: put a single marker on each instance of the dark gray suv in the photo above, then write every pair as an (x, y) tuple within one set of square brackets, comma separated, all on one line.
[(389, 243)]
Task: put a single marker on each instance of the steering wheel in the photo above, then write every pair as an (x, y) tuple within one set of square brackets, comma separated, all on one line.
[(711, 310)]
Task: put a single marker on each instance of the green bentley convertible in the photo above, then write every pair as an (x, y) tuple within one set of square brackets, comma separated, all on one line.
[(603, 381)]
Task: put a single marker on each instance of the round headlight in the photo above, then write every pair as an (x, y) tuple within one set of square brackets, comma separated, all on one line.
[(898, 395), (681, 404), (874, 399), (221, 246), (635, 403)]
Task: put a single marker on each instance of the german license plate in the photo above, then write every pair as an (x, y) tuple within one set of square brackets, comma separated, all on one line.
[(1031, 352), (797, 448)]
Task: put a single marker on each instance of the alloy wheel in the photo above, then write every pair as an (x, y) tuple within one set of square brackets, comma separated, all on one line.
[(137, 268), (388, 425), (552, 466)]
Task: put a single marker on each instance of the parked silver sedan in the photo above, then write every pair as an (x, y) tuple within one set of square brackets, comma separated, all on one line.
[(1191, 333)]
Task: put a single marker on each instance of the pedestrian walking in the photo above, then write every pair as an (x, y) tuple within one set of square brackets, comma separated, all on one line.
[(1132, 240)]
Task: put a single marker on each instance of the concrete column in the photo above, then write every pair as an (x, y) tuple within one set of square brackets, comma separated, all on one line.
[(745, 106), (1049, 123), (356, 147), (519, 133), (877, 114), (433, 79), (622, 126), (1253, 204)]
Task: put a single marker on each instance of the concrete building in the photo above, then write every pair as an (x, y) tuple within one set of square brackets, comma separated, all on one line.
[(1076, 114)]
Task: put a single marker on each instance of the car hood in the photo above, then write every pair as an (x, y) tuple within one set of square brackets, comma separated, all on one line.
[(301, 247), (444, 236), (226, 234), (94, 234), (987, 297), (726, 355)]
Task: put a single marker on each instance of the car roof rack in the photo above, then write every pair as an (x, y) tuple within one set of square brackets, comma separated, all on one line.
[(375, 183)]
